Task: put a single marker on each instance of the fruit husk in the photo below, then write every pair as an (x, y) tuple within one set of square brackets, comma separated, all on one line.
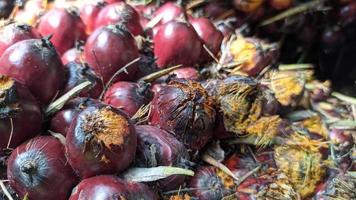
[(302, 164)]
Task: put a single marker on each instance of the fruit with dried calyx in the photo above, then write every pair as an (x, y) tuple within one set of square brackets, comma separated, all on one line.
[(301, 160), (185, 108), (74, 54), (20, 114), (249, 56), (88, 13), (249, 109), (100, 140), (36, 64)]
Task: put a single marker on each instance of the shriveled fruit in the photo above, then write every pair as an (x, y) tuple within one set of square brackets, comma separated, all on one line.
[(20, 114), (39, 170), (36, 64), (185, 108), (100, 140)]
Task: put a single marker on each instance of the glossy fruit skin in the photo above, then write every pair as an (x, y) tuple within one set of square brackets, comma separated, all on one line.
[(78, 73), (74, 54), (66, 27), (61, 121), (15, 32), (120, 12), (107, 187), (168, 152), (168, 12), (90, 147), (88, 13), (36, 64), (128, 96), (177, 43), (109, 49), (210, 36), (20, 113), (52, 177), (184, 108)]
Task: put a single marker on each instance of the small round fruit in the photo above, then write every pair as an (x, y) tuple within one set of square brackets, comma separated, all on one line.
[(39, 170), (36, 64), (177, 43), (120, 12), (109, 49), (66, 27), (100, 140)]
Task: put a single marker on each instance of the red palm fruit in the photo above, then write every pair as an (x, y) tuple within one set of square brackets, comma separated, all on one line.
[(211, 184), (168, 12), (20, 114), (107, 187), (78, 73), (88, 13), (210, 36), (61, 121), (120, 12), (213, 10), (128, 96), (184, 108), (177, 43), (74, 54), (36, 64), (66, 27), (100, 140), (39, 170), (14, 32), (168, 152), (109, 49)]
